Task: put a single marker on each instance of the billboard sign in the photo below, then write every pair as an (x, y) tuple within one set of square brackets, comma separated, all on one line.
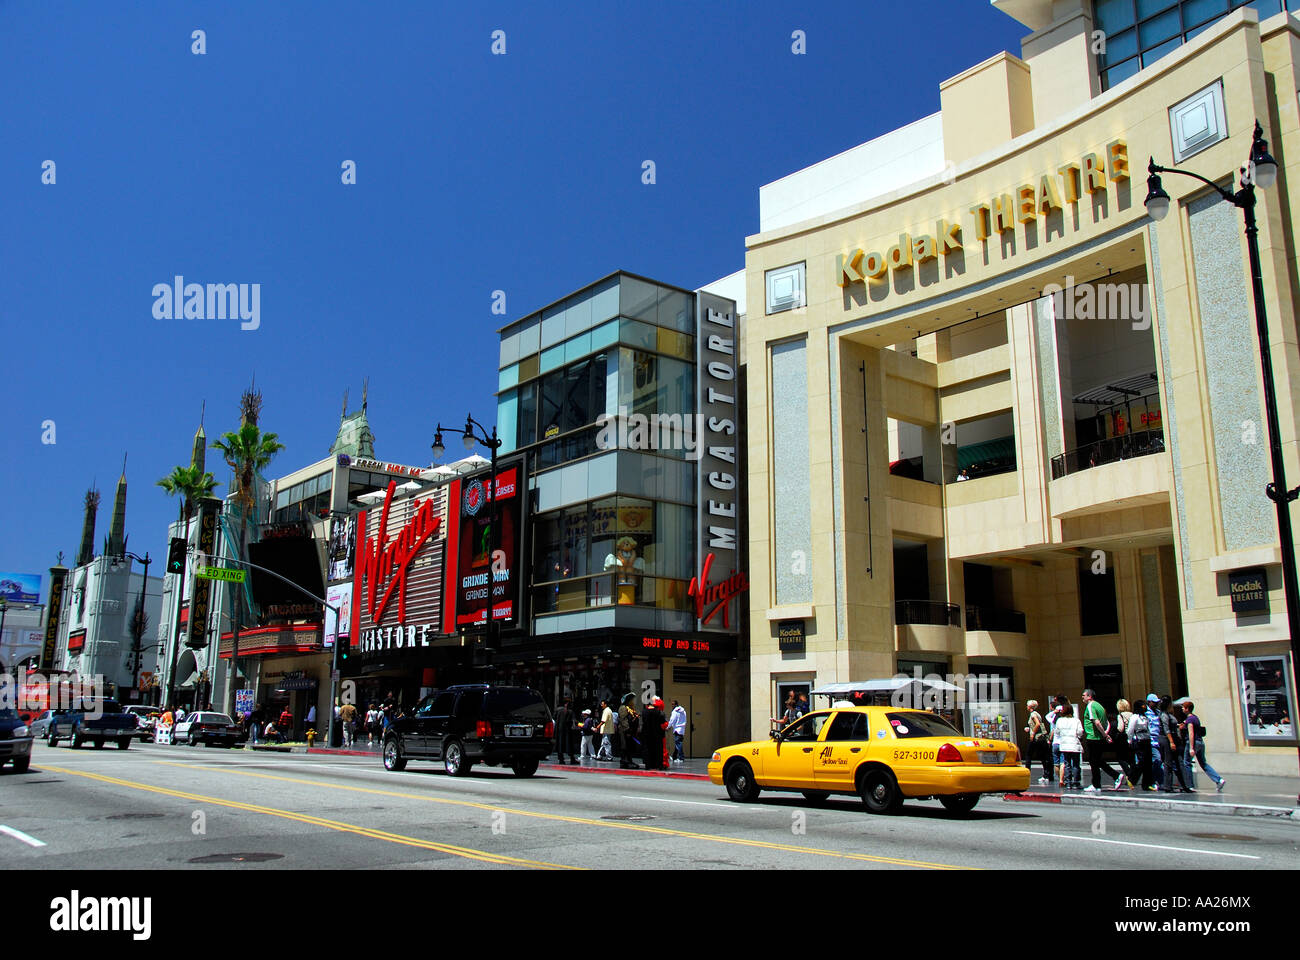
[(343, 547), (20, 587), (339, 595), (482, 578)]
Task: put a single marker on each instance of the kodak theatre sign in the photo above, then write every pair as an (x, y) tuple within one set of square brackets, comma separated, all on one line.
[(1031, 201)]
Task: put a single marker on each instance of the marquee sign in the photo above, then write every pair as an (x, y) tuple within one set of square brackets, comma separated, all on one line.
[(386, 563)]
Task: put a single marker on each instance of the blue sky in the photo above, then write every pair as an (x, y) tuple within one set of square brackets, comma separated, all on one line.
[(475, 173)]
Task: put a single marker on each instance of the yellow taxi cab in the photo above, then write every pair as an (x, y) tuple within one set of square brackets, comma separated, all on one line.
[(883, 754)]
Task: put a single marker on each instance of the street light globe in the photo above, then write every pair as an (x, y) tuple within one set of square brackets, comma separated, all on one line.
[(1265, 173), (469, 441)]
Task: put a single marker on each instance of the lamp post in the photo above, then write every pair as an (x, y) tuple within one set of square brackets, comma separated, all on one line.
[(493, 443), (1261, 170), (137, 622)]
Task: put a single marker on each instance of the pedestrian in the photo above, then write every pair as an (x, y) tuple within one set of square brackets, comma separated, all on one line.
[(1096, 730), (373, 726), (629, 725), (311, 717), (1038, 742), (1058, 766), (1119, 734), (564, 731), (348, 717), (1159, 746), (1173, 763), (677, 723), (286, 722), (1139, 742), (1068, 735), (1194, 737), (802, 705), (652, 736), (791, 712), (608, 725), (588, 732)]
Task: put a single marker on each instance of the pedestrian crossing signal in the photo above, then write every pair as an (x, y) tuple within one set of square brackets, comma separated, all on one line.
[(176, 555), (345, 648)]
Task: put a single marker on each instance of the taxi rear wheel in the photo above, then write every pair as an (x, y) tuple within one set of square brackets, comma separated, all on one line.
[(962, 803), (740, 782), (815, 796), (880, 793)]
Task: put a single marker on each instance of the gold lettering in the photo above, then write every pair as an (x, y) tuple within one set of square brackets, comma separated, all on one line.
[(1094, 174), (981, 221), (949, 235), (1003, 214), (848, 269), (900, 256), (924, 248), (1117, 154), (1048, 194), (1070, 173), (1025, 206), (874, 266)]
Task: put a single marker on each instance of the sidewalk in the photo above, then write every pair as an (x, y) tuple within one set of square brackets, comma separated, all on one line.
[(1244, 795)]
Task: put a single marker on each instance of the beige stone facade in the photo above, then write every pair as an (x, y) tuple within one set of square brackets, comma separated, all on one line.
[(926, 317)]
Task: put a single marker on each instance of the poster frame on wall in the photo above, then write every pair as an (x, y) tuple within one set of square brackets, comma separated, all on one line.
[(1276, 699)]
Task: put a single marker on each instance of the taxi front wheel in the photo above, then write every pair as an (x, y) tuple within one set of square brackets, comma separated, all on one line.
[(880, 793), (740, 782)]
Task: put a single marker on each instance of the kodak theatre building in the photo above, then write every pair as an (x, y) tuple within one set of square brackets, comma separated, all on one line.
[(1001, 422)]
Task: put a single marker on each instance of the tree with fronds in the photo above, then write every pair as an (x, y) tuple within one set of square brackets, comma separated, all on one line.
[(191, 484)]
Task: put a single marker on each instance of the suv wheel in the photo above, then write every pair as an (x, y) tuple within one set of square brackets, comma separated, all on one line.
[(76, 740), (124, 743), (21, 764), (393, 759), (453, 758), (524, 768)]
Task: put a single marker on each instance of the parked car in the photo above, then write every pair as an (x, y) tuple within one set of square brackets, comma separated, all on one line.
[(474, 723), (206, 728), (15, 740), (145, 717), (41, 724), (94, 719)]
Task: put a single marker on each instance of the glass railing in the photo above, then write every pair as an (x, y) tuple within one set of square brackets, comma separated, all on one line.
[(931, 612), (995, 619), (1126, 446)]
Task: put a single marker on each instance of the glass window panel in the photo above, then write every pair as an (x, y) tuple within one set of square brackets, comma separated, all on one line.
[(1266, 8), (1149, 8), (1111, 16), (641, 335), (579, 346), (604, 301), (507, 419), (1119, 46), (552, 358), (638, 379), (675, 390), (674, 551), (604, 335), (675, 344), (575, 549), (547, 538), (508, 377), (528, 413), (576, 403), (528, 367), (552, 405), (602, 533), (676, 310), (1159, 29), (1198, 11), (323, 482), (597, 375), (1118, 74), (638, 299), (1156, 52)]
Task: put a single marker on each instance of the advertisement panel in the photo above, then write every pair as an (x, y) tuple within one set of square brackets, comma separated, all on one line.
[(343, 547), (1265, 688), (481, 578), (398, 593), (20, 587), (339, 595)]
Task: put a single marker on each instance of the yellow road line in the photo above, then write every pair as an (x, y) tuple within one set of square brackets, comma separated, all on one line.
[(614, 824), (374, 834)]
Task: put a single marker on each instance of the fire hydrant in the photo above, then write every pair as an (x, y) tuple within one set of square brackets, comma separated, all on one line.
[(311, 738)]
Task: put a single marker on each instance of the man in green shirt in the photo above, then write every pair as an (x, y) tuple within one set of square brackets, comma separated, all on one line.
[(1096, 732)]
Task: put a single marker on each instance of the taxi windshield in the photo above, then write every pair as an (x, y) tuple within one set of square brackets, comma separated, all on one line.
[(908, 725)]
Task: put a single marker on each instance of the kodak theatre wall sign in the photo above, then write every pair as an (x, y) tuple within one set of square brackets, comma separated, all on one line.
[(1031, 201)]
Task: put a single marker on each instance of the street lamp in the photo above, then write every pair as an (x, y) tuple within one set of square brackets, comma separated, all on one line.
[(1261, 171), (493, 443), (137, 622)]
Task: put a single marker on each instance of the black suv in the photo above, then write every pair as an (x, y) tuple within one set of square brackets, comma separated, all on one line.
[(474, 723)]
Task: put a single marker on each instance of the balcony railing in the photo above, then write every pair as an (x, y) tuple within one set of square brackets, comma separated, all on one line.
[(995, 620), (1124, 447), (928, 612)]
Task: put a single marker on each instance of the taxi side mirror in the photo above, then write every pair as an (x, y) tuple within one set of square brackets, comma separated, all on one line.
[(776, 735)]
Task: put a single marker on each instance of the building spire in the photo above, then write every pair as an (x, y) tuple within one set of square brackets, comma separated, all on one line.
[(87, 551), (117, 527), (199, 455), (345, 405)]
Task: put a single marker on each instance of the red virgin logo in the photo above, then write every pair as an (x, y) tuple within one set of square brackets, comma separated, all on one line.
[(385, 561), (717, 594)]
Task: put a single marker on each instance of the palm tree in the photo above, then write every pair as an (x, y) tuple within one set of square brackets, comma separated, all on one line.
[(193, 485), (247, 451)]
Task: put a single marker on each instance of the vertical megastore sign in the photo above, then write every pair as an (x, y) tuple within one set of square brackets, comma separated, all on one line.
[(717, 524), (482, 579), (201, 593)]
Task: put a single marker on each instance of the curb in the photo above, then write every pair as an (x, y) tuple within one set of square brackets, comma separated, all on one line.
[(1186, 806), (619, 771)]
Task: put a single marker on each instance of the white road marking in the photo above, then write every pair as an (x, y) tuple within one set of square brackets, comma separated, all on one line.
[(1149, 846), (19, 835)]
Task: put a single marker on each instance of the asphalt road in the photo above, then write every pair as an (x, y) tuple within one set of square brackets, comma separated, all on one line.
[(180, 807)]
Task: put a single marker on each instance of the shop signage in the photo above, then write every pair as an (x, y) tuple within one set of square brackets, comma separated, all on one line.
[(54, 612), (387, 563), (671, 645), (406, 637), (76, 641), (790, 636), (1249, 590), (202, 591), (292, 611), (712, 597), (1048, 195), (718, 493), (484, 579), (376, 466), (1264, 686)]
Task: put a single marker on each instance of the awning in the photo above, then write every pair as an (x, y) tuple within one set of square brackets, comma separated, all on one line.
[(1003, 448), (891, 684), (297, 683)]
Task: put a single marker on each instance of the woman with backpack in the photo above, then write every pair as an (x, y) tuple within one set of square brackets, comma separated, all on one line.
[(1067, 735), (1057, 767), (1138, 733), (1039, 740), (629, 724), (1119, 736)]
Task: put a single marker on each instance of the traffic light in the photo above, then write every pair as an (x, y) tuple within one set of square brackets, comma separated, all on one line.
[(345, 649), (176, 555)]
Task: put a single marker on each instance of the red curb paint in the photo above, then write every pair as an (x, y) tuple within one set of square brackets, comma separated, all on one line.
[(1033, 797), (345, 753), (628, 773)]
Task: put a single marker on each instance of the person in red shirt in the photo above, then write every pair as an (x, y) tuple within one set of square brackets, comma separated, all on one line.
[(286, 724)]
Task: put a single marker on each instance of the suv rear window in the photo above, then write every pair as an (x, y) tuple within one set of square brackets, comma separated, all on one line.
[(908, 725), (517, 705)]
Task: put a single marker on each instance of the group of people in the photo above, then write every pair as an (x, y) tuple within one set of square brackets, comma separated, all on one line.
[(1154, 744), (644, 734)]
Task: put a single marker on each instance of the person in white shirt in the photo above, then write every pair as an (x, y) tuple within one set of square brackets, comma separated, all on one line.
[(677, 723), (1067, 736), (608, 723)]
